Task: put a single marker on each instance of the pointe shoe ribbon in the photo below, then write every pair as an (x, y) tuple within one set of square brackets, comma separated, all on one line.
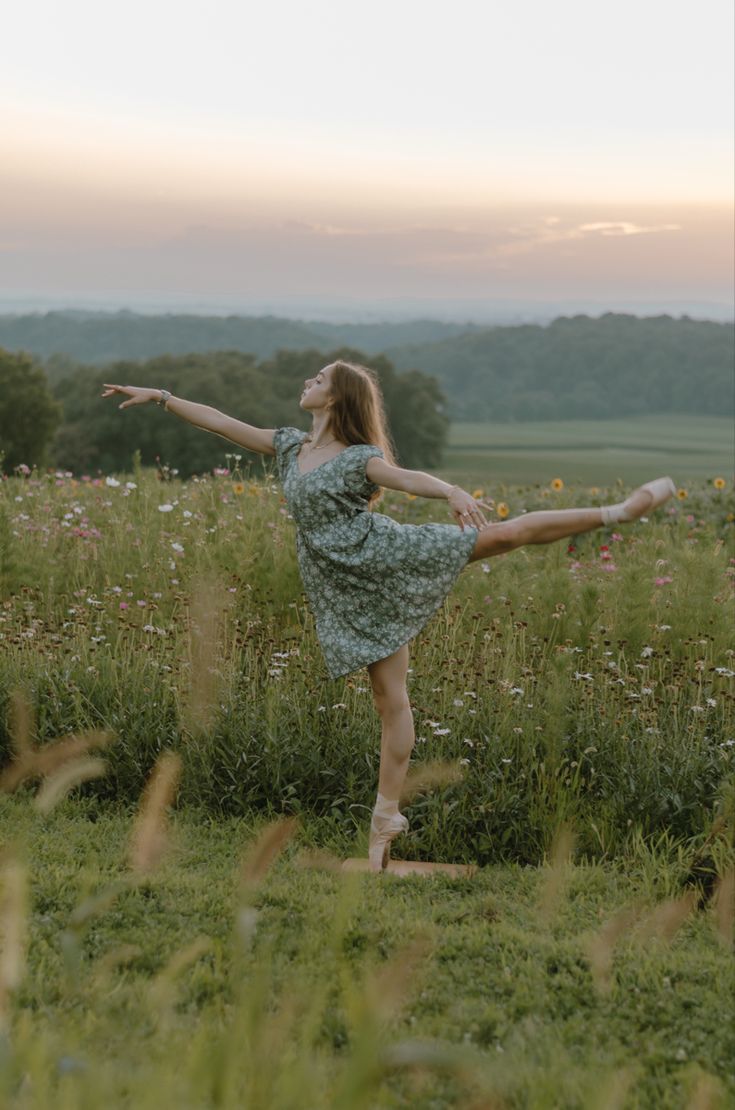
[(659, 490), (382, 832)]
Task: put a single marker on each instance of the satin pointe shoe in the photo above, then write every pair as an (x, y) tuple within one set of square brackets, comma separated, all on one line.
[(659, 491), (382, 831)]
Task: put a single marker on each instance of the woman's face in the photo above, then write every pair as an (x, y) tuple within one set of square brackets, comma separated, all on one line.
[(316, 390)]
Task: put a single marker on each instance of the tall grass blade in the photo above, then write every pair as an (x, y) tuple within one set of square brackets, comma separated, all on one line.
[(209, 601), (601, 947), (425, 776), (13, 927), (40, 762), (268, 845), (562, 848), (149, 837), (71, 774), (724, 906)]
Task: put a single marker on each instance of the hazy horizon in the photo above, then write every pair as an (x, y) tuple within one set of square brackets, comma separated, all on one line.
[(347, 311)]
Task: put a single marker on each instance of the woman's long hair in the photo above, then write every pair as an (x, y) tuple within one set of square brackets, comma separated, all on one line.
[(357, 411)]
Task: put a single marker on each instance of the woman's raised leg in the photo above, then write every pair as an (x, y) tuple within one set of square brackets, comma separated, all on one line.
[(549, 525), (540, 527)]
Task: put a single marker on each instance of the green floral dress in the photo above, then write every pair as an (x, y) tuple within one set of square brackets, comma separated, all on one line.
[(372, 583)]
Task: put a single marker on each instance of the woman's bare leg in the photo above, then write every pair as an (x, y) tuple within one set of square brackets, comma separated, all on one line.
[(388, 678), (549, 525), (545, 526)]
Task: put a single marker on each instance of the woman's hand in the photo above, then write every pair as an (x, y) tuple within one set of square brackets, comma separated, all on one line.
[(465, 509), (137, 395)]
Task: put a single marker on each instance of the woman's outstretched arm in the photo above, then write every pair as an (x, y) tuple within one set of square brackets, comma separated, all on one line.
[(201, 416), (463, 505)]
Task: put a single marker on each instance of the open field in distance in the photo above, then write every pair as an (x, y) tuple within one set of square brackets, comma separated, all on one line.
[(597, 452)]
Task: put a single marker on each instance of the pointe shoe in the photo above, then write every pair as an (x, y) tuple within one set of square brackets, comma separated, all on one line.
[(382, 831), (660, 490)]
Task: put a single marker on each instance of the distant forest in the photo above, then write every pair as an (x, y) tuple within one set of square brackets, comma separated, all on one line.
[(575, 367), (70, 424)]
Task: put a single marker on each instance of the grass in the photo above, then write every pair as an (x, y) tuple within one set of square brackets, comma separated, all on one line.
[(569, 984), (578, 699), (592, 684), (592, 452)]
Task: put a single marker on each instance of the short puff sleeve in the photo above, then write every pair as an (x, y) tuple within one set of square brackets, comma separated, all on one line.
[(284, 441), (355, 476)]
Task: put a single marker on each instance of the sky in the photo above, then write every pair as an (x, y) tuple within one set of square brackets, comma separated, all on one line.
[(405, 150)]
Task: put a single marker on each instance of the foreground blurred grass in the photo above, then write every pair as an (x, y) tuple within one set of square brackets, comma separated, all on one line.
[(207, 984), (593, 684)]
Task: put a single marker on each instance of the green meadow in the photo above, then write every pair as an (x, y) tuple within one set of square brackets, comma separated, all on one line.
[(180, 781), (592, 452), (234, 976)]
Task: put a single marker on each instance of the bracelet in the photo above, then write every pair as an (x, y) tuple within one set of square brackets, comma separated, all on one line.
[(164, 398)]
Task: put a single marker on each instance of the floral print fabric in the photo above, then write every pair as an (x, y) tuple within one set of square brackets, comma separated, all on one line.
[(372, 583)]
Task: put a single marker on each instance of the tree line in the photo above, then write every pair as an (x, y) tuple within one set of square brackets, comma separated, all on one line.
[(583, 368), (96, 338), (574, 368), (69, 425), (577, 366)]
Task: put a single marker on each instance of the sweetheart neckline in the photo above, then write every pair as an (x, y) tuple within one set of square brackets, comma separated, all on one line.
[(301, 473)]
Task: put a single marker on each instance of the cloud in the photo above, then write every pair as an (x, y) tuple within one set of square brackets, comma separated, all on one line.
[(302, 227), (622, 227), (543, 233), (311, 251)]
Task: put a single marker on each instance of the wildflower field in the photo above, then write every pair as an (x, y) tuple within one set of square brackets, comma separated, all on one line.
[(574, 717)]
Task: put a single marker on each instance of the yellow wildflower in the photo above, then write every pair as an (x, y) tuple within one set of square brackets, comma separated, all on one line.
[(557, 484), (719, 483), (238, 488), (478, 493), (502, 509), (411, 496), (682, 494)]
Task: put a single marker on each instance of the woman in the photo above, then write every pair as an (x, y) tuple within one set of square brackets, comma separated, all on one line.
[(371, 582)]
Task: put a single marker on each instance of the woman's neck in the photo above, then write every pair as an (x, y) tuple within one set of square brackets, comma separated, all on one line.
[(320, 431)]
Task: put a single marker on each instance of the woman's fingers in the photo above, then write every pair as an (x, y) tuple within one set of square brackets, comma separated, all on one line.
[(134, 394), (469, 517), (476, 515)]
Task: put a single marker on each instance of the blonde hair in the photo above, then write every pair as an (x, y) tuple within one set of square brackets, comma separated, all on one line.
[(357, 411)]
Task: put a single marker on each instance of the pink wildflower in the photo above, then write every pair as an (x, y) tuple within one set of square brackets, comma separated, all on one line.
[(663, 581)]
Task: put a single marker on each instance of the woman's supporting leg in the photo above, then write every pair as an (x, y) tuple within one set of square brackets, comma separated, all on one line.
[(388, 678)]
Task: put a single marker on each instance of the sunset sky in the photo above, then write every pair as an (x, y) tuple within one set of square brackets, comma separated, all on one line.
[(408, 149)]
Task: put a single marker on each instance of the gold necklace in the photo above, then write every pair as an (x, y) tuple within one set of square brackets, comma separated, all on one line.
[(321, 445)]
